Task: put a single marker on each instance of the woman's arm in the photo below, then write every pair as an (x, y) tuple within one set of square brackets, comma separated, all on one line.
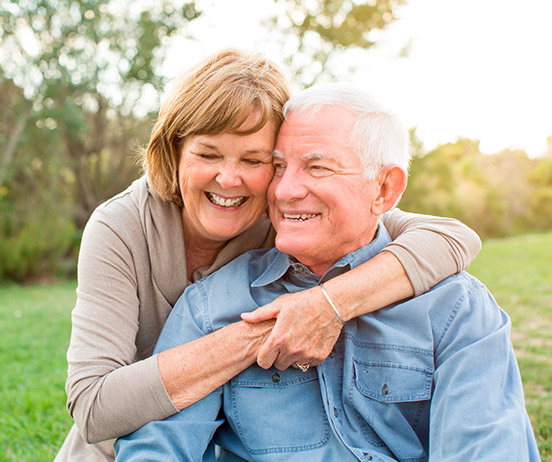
[(110, 394), (430, 248), (193, 370), (425, 251)]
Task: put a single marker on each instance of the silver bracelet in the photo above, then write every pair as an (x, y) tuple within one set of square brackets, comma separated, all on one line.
[(331, 303)]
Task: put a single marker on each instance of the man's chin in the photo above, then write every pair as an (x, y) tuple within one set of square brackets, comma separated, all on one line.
[(295, 246)]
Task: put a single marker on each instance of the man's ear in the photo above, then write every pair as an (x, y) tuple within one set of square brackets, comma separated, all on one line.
[(392, 182)]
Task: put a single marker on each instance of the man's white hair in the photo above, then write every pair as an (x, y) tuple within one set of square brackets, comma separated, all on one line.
[(378, 137)]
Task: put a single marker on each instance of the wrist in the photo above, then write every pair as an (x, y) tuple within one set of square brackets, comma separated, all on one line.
[(253, 337), (345, 304), (331, 303)]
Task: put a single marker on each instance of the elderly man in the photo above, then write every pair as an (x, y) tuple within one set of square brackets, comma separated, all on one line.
[(432, 378)]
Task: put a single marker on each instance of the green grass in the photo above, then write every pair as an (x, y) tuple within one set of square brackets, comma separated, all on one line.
[(35, 330), (35, 326)]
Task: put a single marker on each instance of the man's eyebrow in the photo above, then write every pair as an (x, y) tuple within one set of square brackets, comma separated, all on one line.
[(305, 157), (316, 156)]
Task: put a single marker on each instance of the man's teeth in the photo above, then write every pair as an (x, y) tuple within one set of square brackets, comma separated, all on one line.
[(218, 200), (300, 217)]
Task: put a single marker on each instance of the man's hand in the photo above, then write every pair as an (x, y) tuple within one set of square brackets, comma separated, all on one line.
[(306, 329)]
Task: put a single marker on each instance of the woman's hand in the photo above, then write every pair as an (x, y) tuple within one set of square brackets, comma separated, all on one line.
[(306, 329)]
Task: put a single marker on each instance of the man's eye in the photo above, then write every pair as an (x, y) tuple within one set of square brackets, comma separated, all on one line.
[(319, 170), (279, 167)]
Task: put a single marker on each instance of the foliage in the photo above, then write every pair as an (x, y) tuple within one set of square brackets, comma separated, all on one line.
[(35, 322), (78, 82), (315, 31), (490, 193), (540, 177), (87, 66)]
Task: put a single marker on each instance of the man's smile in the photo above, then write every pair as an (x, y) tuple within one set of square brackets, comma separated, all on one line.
[(299, 216)]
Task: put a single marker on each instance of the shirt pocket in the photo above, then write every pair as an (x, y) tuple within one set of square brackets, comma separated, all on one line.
[(390, 392), (278, 411)]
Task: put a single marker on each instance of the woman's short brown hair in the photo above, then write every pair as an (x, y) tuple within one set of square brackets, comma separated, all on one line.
[(215, 96)]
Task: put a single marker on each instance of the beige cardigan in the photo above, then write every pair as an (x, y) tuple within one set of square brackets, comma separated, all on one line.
[(131, 271)]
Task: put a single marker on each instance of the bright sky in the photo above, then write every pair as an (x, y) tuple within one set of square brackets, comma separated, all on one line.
[(480, 69)]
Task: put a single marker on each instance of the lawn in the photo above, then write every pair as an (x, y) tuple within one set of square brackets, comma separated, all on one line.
[(35, 327)]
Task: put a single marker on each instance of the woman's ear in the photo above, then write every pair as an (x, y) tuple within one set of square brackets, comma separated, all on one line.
[(391, 180)]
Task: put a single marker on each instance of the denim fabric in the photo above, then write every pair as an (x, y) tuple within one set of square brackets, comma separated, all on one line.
[(433, 378)]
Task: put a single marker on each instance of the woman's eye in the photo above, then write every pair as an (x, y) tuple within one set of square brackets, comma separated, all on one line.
[(252, 162), (208, 156)]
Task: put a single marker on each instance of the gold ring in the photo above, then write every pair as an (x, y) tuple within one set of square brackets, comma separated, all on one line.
[(303, 367)]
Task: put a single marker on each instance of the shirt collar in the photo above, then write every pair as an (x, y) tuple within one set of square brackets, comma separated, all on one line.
[(282, 262)]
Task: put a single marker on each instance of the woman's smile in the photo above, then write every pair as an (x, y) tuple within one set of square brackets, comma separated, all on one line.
[(226, 202)]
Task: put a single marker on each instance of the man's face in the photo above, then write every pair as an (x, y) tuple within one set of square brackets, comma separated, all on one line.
[(320, 204)]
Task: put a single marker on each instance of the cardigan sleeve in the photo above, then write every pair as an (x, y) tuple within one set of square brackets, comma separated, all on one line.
[(109, 393), (430, 248)]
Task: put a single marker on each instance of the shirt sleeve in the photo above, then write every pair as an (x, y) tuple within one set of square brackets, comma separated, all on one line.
[(430, 248), (109, 394), (478, 409), (187, 435)]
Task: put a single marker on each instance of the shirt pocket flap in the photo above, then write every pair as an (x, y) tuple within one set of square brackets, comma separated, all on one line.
[(273, 378), (392, 382)]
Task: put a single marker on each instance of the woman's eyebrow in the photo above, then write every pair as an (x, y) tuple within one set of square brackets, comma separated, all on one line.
[(260, 150), (206, 144)]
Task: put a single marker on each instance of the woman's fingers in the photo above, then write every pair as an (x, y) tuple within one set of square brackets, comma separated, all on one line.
[(263, 313)]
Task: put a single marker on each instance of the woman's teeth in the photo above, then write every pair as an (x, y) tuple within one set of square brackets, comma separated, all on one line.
[(218, 200), (300, 217)]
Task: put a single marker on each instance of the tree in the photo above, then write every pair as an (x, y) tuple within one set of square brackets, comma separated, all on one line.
[(87, 66), (315, 31), (540, 177), (78, 80)]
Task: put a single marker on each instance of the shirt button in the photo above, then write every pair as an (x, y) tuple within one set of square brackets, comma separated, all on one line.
[(335, 411), (276, 378), (332, 353), (385, 389), (298, 269)]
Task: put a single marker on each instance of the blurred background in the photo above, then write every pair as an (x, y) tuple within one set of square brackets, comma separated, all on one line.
[(80, 85), (81, 81)]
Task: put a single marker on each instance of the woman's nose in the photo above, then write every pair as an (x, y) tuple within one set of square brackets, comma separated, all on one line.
[(229, 176)]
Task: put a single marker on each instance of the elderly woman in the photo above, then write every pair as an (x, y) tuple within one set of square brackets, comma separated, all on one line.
[(201, 204)]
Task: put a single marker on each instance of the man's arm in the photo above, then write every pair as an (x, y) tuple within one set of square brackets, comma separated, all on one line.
[(478, 409)]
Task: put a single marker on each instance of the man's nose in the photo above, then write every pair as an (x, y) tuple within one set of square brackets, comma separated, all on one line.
[(229, 175), (290, 186)]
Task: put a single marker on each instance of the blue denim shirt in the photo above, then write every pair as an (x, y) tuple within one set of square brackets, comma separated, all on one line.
[(433, 378)]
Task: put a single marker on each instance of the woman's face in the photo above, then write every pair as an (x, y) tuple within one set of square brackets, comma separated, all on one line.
[(223, 181)]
